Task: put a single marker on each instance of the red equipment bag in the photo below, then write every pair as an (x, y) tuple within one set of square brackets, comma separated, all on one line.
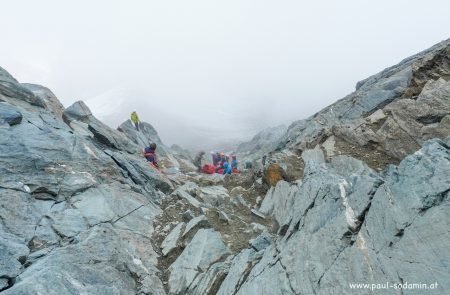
[(208, 169)]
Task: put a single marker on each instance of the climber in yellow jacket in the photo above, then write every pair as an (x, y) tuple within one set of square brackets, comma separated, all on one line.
[(135, 120)]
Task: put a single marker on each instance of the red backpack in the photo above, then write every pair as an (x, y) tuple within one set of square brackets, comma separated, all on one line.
[(208, 169)]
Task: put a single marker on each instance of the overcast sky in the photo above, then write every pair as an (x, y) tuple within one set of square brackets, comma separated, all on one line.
[(210, 71)]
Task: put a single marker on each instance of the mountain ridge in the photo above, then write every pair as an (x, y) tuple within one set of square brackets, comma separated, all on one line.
[(357, 193)]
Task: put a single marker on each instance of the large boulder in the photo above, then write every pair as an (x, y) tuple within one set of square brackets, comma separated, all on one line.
[(146, 134), (111, 138), (274, 173), (278, 202), (17, 94), (205, 248), (78, 111), (102, 134), (140, 172)]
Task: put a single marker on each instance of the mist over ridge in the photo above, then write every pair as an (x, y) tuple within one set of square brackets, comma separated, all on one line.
[(208, 74)]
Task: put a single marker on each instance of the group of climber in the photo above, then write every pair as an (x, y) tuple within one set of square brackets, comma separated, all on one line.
[(221, 164)]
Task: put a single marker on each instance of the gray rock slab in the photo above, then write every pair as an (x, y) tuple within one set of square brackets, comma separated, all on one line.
[(209, 281), (20, 213), (78, 111), (10, 114), (118, 205), (190, 199), (13, 254), (278, 202), (223, 217), (68, 223), (239, 267), (111, 138), (188, 215), (261, 242), (81, 129), (257, 213), (141, 173), (90, 266), (95, 207), (48, 97), (16, 93), (205, 248), (272, 281), (170, 242), (214, 195), (195, 223)]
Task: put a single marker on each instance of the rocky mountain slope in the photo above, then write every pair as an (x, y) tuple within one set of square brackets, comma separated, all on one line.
[(263, 142), (357, 193)]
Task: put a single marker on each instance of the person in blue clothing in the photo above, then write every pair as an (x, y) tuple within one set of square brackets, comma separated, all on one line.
[(220, 161), (226, 168), (234, 162)]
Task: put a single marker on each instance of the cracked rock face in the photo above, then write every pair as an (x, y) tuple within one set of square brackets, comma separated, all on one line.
[(366, 228), (205, 248), (74, 218)]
